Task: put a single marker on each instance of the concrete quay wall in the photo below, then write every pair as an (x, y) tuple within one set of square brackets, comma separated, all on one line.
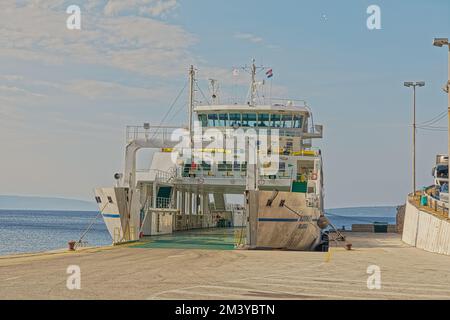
[(426, 231)]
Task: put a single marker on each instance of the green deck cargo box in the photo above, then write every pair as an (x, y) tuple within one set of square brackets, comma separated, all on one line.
[(300, 187)]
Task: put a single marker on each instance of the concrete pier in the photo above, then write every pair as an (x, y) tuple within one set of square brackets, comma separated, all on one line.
[(426, 228), (140, 272)]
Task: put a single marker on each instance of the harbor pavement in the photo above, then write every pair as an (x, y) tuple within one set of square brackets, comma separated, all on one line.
[(379, 266)]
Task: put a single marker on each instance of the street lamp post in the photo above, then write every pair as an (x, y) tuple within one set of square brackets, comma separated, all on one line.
[(414, 85), (440, 42)]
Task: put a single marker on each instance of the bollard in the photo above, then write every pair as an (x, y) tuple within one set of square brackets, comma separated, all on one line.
[(348, 246), (71, 245)]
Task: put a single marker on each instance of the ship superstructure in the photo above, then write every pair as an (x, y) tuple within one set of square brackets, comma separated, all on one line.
[(261, 149)]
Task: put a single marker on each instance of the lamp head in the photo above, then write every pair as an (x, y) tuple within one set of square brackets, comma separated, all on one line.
[(439, 42), (414, 84)]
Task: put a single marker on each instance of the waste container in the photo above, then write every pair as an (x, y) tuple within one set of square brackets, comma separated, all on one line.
[(423, 200), (380, 227)]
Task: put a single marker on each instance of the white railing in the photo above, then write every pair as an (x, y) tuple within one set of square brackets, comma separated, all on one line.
[(214, 173), (162, 176), (287, 102), (162, 133), (164, 203)]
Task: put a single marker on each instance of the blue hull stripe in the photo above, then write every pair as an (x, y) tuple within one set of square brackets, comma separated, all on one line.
[(110, 215)]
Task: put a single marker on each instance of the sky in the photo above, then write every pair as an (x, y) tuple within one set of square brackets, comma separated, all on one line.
[(67, 95)]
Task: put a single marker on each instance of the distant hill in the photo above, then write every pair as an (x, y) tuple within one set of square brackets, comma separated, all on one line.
[(45, 203), (380, 211)]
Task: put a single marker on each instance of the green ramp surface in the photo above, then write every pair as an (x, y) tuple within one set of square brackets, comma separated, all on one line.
[(209, 239)]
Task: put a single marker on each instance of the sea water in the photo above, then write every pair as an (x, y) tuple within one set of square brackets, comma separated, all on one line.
[(345, 217), (34, 231)]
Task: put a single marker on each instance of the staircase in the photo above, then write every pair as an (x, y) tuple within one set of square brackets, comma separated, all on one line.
[(219, 201), (164, 197)]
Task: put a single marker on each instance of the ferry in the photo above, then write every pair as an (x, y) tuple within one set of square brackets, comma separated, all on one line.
[(260, 149)]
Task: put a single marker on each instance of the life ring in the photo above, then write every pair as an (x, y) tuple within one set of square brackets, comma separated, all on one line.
[(314, 176)]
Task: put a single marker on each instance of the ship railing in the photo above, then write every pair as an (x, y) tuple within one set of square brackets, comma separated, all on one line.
[(156, 175), (147, 132), (164, 133), (280, 102), (163, 203), (226, 175), (162, 176)]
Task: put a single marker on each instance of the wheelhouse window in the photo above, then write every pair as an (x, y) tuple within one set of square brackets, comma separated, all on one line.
[(212, 120), (286, 120), (298, 121), (110, 199), (203, 118), (275, 120), (235, 119), (223, 120), (249, 120), (263, 120), (98, 199)]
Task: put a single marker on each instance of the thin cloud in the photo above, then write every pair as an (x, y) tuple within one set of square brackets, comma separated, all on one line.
[(104, 90), (133, 43), (252, 38), (249, 37), (152, 8)]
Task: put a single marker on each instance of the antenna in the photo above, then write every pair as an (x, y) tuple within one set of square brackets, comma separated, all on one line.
[(253, 92), (191, 97), (214, 90), (253, 87)]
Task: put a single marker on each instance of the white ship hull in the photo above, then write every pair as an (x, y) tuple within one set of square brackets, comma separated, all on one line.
[(120, 210), (274, 226)]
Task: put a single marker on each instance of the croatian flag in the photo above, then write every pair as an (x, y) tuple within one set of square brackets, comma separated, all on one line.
[(269, 73)]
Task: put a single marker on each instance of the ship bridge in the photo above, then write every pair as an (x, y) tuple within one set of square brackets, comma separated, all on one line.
[(285, 116)]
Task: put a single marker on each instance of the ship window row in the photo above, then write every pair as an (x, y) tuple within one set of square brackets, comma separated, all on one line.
[(99, 200), (251, 120)]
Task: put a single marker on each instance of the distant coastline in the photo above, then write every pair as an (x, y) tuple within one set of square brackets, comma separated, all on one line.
[(13, 202), (361, 211), (37, 203)]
